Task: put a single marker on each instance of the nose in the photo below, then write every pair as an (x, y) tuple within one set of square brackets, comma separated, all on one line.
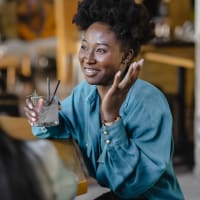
[(89, 57)]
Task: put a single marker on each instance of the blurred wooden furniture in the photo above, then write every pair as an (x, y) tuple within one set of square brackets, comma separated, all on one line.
[(10, 63), (18, 127), (35, 20), (173, 55), (13, 63), (181, 57), (179, 12), (67, 39)]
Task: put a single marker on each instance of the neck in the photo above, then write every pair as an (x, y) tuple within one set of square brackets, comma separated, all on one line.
[(103, 90)]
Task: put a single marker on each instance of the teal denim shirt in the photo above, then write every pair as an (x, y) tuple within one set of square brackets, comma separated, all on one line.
[(132, 157)]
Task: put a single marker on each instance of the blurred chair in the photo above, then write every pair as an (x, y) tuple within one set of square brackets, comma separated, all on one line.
[(9, 102)]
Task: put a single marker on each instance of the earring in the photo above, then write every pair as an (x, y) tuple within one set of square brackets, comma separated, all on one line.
[(126, 62)]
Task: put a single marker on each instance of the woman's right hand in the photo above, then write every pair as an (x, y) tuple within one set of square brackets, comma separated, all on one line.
[(31, 111), (116, 95)]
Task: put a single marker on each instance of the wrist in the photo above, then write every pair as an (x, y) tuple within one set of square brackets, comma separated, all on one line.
[(110, 122)]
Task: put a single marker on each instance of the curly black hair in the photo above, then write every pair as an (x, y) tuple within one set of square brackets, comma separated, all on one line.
[(130, 21)]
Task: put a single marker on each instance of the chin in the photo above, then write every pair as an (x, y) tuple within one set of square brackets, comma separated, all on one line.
[(91, 82)]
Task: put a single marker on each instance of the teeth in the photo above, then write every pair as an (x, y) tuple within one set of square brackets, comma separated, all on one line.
[(89, 71)]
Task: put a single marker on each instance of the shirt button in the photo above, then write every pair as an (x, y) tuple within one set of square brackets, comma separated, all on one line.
[(105, 132), (107, 141)]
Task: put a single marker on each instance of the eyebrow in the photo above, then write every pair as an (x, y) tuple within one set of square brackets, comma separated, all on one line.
[(98, 43), (102, 43)]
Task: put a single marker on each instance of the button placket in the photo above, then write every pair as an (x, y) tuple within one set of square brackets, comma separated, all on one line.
[(105, 132), (105, 136), (107, 141)]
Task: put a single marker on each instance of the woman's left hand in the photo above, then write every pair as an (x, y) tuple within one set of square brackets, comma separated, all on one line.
[(115, 96)]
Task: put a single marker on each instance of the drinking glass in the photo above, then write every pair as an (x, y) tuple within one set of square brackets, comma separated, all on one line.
[(47, 110)]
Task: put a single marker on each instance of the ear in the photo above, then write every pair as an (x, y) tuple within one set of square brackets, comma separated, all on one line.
[(128, 56)]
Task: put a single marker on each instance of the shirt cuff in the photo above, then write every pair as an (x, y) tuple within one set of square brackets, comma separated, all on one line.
[(114, 134)]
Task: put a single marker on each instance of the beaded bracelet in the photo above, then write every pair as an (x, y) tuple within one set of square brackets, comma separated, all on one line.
[(109, 123)]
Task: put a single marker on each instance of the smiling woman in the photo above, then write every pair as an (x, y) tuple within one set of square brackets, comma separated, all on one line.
[(122, 124), (100, 55)]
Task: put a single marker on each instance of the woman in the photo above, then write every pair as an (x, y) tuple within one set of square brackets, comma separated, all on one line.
[(122, 124), (32, 170)]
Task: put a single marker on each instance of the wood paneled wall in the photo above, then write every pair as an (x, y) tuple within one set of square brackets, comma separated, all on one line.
[(179, 12), (67, 37)]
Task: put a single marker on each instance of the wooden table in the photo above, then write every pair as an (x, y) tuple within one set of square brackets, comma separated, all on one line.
[(18, 127), (181, 57)]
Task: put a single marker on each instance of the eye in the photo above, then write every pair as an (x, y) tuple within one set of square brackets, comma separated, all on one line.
[(101, 51), (83, 47)]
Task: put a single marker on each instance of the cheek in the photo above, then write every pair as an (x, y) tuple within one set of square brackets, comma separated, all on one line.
[(109, 60), (80, 57)]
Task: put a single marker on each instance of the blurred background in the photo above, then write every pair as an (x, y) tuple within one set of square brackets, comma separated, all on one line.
[(37, 40)]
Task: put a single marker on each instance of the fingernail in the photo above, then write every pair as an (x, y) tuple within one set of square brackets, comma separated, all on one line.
[(33, 114), (30, 106), (118, 73), (140, 62), (134, 65), (33, 119)]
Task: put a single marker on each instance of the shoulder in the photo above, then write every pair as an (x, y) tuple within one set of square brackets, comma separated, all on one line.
[(53, 175), (82, 92), (146, 88), (46, 155), (42, 148), (83, 88), (144, 95), (145, 91)]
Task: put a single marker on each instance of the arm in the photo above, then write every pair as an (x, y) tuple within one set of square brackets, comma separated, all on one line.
[(139, 147)]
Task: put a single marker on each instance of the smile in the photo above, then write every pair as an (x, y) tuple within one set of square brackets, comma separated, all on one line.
[(90, 71)]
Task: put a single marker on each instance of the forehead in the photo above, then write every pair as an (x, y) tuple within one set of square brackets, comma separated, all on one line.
[(100, 33)]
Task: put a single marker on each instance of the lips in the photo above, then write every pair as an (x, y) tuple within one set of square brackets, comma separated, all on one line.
[(90, 71)]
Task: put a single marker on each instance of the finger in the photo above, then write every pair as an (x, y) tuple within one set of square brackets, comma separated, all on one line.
[(29, 103), (30, 122), (140, 63), (123, 65), (30, 118), (30, 111), (137, 67), (127, 80), (29, 106), (40, 105), (117, 79), (131, 75)]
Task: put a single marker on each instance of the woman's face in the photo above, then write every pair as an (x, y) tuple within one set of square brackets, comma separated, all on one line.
[(100, 54)]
